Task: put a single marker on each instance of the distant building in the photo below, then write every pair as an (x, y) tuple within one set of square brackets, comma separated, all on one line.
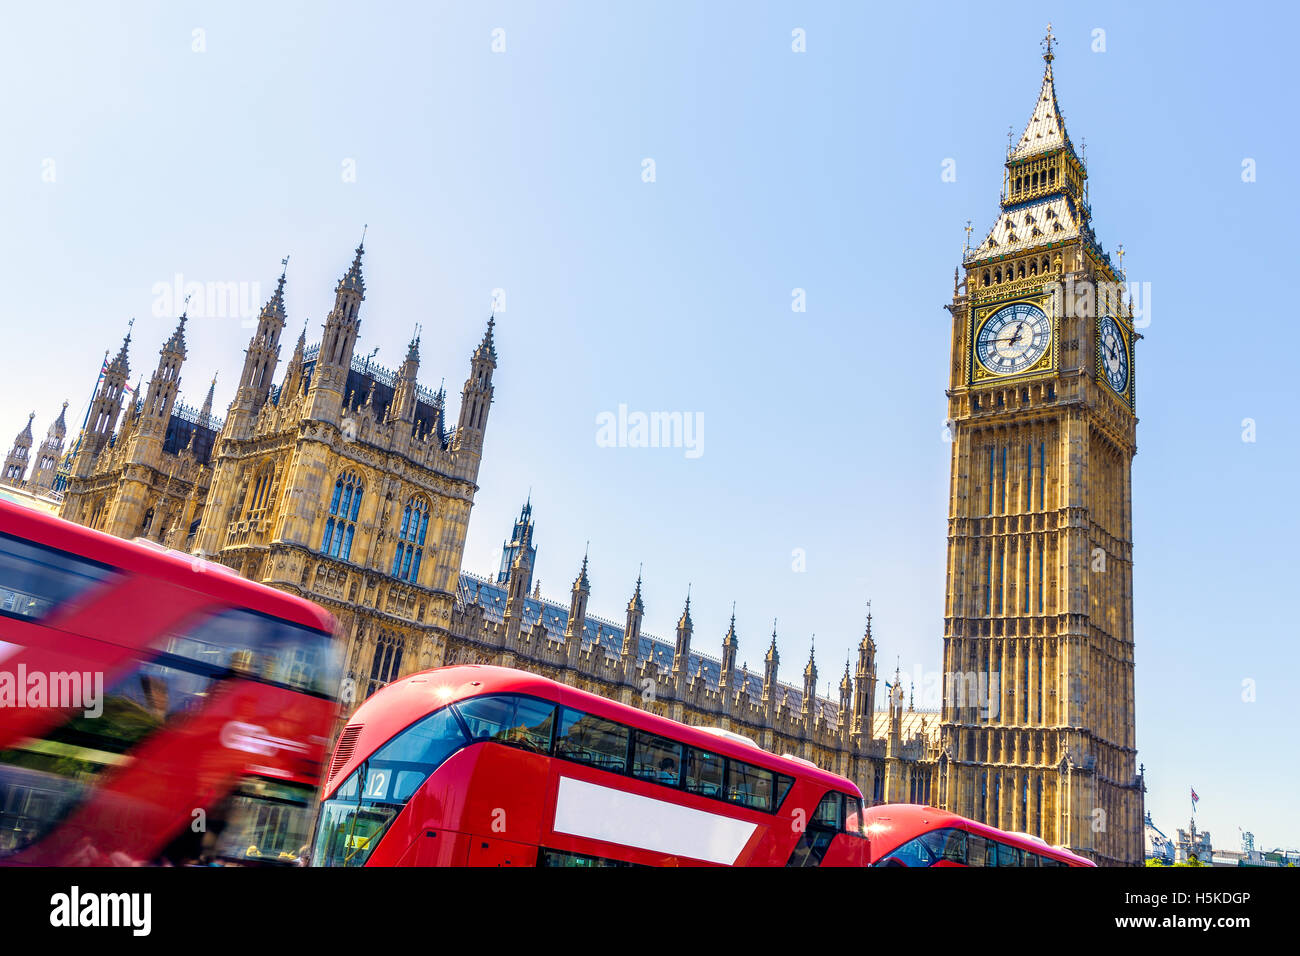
[(1159, 847), (1193, 844)]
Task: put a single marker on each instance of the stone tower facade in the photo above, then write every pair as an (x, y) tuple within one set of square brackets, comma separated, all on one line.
[(1038, 715), (49, 455), (16, 462), (342, 483)]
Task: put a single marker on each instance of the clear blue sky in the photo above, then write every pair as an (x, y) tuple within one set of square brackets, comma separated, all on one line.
[(522, 170)]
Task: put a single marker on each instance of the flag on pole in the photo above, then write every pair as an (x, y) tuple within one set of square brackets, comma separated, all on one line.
[(1194, 799)]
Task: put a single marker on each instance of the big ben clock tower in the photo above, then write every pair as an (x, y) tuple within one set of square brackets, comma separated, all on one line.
[(1038, 713)]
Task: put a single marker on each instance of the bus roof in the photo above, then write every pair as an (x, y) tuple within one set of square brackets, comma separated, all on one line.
[(914, 818), (405, 701), (159, 562)]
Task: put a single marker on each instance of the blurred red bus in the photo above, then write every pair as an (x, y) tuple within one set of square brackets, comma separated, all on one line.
[(489, 766), (153, 707), (907, 834)]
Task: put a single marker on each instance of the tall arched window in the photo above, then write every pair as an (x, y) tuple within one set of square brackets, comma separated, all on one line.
[(386, 665), (345, 505), (410, 544)]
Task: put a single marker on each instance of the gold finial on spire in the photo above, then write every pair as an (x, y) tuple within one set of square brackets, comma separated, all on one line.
[(1120, 252), (1047, 41), (966, 247)]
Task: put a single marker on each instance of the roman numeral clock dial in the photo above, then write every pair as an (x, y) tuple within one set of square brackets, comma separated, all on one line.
[(1013, 338), (1114, 354)]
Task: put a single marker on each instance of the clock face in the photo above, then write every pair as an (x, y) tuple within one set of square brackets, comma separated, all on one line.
[(1114, 354), (1013, 338)]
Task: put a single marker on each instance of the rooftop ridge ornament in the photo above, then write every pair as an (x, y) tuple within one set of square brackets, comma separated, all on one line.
[(1046, 43)]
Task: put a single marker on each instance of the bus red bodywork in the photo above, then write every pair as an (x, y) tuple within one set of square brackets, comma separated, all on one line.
[(907, 834), (202, 726), (509, 798)]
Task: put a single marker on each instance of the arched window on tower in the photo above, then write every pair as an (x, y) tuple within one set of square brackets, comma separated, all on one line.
[(345, 505), (386, 665), (410, 544)]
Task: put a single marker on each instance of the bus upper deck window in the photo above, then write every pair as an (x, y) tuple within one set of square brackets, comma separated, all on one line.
[(35, 580), (592, 740), (521, 721)]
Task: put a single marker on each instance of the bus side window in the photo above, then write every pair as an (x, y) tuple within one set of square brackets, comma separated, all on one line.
[(750, 786), (704, 772), (533, 722), (1007, 855), (816, 838), (657, 759), (976, 850), (592, 740), (487, 718), (35, 581), (853, 815), (829, 811)]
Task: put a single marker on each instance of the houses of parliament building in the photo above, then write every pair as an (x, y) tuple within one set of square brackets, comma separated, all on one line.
[(348, 484)]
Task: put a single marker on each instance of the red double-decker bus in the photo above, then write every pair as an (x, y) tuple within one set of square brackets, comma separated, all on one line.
[(154, 708), (489, 766), (907, 834)]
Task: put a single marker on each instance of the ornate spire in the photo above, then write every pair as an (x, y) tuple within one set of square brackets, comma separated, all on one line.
[(771, 650), (867, 640), (684, 622), (207, 402), (487, 349), (352, 279), (811, 669), (730, 639), (583, 584), (26, 433), (59, 429), (275, 305), (1046, 127), (177, 342), (636, 604), (120, 360)]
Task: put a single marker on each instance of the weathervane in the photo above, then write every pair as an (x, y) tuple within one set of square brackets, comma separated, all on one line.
[(1047, 44), (1120, 253), (964, 249)]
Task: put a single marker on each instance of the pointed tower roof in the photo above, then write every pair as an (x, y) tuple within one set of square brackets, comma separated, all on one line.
[(352, 280), (120, 361), (487, 349), (867, 640), (25, 436), (582, 583), (771, 650), (207, 402), (1046, 127), (636, 604), (177, 342), (684, 622), (810, 669), (275, 305), (1038, 206), (59, 430), (730, 639)]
